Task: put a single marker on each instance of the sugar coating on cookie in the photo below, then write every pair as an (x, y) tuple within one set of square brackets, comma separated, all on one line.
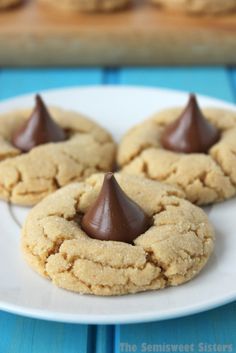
[(199, 6), (87, 5), (26, 178), (172, 251), (205, 178)]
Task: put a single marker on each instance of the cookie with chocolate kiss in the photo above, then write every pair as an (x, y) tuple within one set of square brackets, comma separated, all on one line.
[(114, 216), (43, 150), (191, 148), (39, 129), (191, 132), (157, 258)]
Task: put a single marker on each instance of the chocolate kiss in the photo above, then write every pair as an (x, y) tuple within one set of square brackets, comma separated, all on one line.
[(114, 216), (191, 132), (40, 128)]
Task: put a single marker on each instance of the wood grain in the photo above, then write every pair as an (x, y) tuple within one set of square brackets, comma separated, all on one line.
[(35, 34)]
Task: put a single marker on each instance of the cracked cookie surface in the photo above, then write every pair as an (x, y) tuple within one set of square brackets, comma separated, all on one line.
[(172, 251), (205, 178), (199, 6), (27, 178)]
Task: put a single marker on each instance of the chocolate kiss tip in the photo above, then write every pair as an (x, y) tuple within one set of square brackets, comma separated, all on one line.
[(193, 103), (39, 100), (109, 175), (191, 132), (40, 128), (192, 96), (114, 216)]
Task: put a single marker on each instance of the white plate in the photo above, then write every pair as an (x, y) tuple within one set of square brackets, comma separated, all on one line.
[(24, 292)]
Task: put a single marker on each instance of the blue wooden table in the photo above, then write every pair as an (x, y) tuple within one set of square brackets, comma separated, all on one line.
[(215, 327)]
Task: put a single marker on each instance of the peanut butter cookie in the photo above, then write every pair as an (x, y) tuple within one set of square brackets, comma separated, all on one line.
[(199, 6), (174, 248), (204, 177), (26, 178), (88, 5)]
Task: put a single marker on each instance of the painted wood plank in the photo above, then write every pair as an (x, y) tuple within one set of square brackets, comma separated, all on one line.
[(105, 339), (23, 335), (203, 80), (111, 76), (210, 328), (232, 73), (20, 81)]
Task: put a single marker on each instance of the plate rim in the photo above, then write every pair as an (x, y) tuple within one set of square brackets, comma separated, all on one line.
[(114, 87), (104, 320)]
